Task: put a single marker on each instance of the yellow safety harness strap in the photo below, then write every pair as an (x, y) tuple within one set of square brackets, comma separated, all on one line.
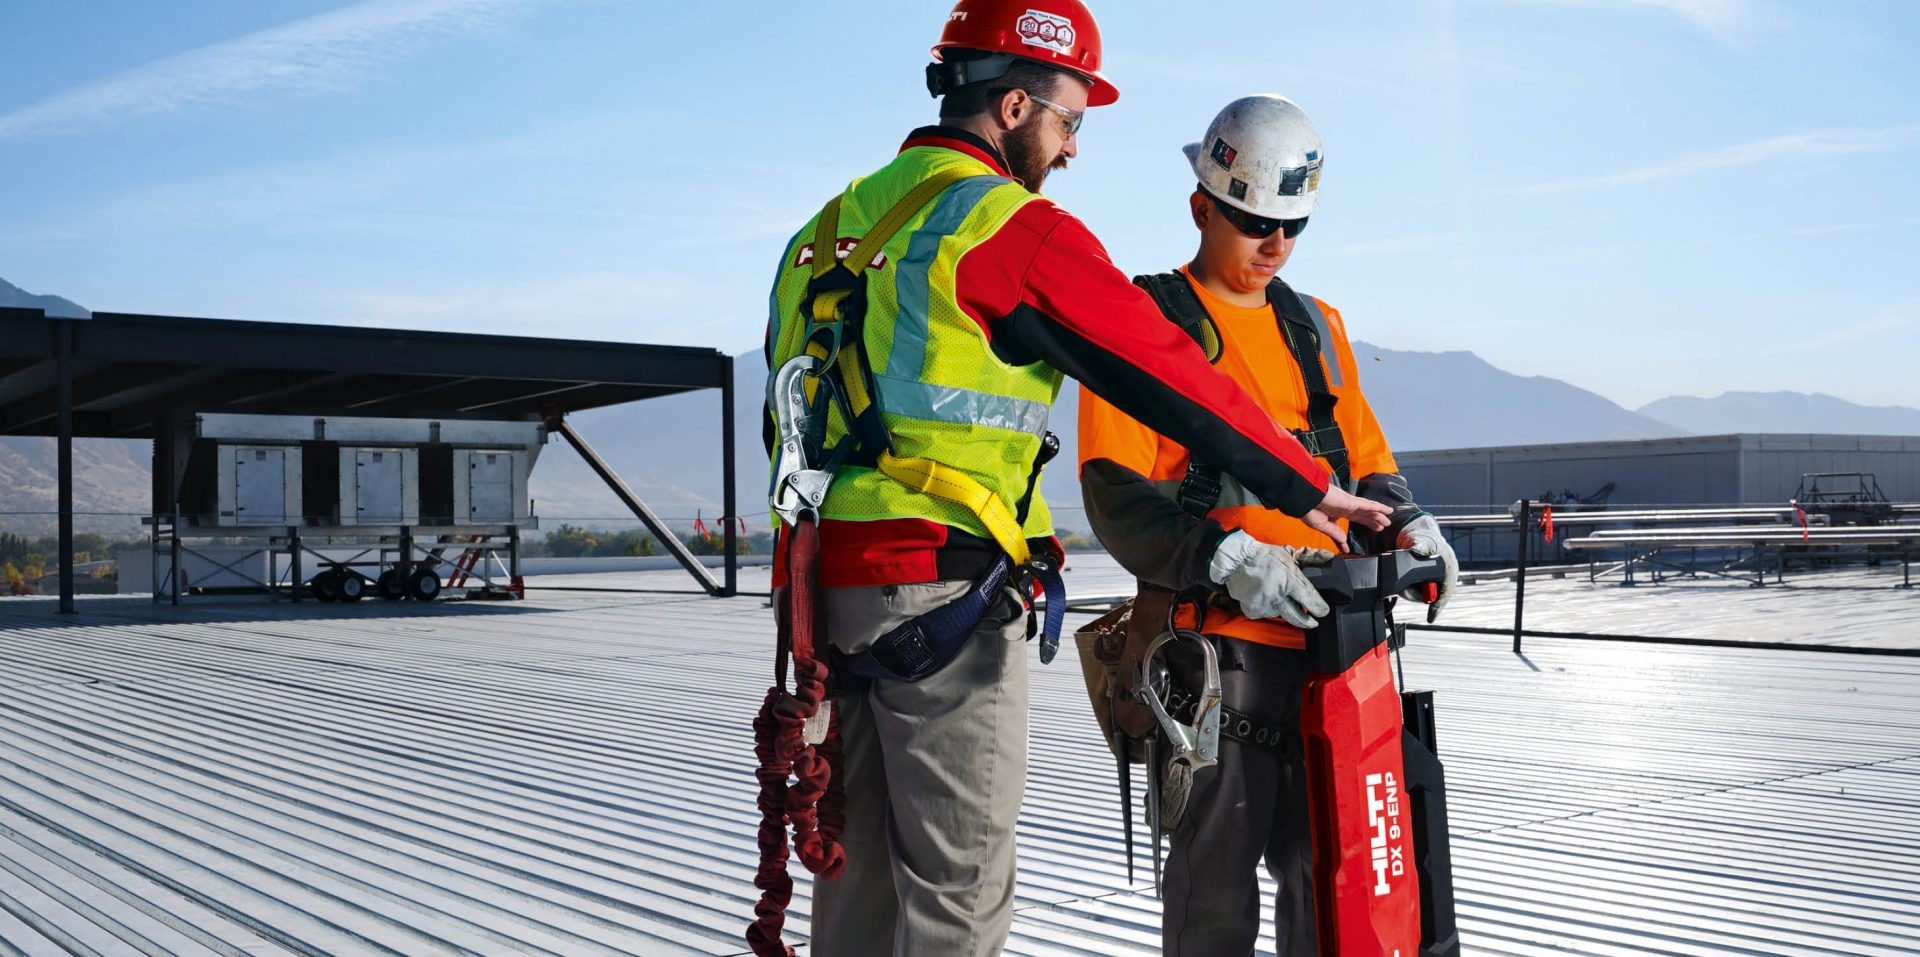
[(921, 474), (953, 485), (826, 305), (881, 232)]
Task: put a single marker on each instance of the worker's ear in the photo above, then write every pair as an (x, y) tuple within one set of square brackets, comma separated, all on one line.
[(1012, 108), (1202, 210)]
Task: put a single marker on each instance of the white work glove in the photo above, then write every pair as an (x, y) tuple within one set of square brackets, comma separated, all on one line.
[(1422, 537), (1266, 580)]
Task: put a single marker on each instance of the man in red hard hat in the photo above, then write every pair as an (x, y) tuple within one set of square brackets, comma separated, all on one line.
[(943, 344)]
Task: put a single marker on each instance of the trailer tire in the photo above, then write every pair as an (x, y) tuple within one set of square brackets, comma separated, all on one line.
[(389, 586), (326, 586), (424, 585)]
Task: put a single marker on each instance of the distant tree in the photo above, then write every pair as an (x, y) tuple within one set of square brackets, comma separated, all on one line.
[(1075, 542), (16, 583), (712, 543), (568, 541), (623, 544)]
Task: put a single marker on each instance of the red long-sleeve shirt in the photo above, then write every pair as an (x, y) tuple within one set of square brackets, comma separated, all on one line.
[(1043, 289)]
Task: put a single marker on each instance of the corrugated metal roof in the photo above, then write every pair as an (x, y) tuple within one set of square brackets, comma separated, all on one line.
[(572, 775)]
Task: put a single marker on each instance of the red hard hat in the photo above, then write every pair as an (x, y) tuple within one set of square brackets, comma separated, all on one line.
[(1059, 33)]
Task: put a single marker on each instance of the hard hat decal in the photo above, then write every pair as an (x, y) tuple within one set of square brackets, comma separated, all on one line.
[(1223, 154), (1037, 28), (1301, 179), (1237, 188)]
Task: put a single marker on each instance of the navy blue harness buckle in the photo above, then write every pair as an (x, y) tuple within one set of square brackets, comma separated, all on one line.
[(928, 643)]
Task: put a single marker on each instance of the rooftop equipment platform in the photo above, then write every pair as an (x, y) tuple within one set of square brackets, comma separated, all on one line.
[(119, 375)]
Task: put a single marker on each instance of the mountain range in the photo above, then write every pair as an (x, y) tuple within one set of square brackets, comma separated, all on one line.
[(1424, 400), (1781, 412), (18, 298), (668, 449)]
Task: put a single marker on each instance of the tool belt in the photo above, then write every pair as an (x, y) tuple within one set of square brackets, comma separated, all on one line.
[(1250, 730), (923, 645), (1107, 664)]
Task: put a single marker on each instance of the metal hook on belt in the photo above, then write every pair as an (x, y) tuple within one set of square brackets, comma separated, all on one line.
[(1194, 746), (1197, 745)]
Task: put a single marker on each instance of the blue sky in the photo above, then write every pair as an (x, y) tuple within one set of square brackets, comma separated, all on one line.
[(1642, 197)]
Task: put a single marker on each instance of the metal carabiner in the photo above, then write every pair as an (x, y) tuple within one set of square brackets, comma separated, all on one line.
[(1196, 745), (798, 488)]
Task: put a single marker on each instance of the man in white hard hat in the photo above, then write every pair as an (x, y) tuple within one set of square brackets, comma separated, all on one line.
[(1182, 527)]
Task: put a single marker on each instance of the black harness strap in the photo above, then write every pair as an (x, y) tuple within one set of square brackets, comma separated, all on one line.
[(1322, 437), (866, 433), (1174, 294), (1182, 307)]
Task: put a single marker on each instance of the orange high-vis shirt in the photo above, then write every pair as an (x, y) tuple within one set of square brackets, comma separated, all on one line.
[(1254, 354)]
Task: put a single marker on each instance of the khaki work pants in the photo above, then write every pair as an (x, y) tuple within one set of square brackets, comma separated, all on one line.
[(934, 774)]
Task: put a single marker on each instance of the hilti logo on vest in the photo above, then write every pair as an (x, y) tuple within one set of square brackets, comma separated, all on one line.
[(1383, 815), (842, 248), (1037, 28)]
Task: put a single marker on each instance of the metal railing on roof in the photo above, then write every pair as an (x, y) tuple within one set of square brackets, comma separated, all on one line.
[(1638, 516), (1704, 537), (1714, 527)]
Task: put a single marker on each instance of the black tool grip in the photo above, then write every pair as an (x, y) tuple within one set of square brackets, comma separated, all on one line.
[(1358, 588)]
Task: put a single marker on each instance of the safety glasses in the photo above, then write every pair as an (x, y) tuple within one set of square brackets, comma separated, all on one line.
[(1070, 119), (1257, 227)]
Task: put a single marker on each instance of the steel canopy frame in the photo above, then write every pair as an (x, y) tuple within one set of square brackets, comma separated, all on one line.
[(122, 375)]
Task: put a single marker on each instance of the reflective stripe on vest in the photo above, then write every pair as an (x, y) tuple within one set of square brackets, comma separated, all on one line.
[(920, 400), (910, 281), (943, 396)]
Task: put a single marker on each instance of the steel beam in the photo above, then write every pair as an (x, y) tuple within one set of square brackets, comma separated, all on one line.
[(63, 355), (673, 544), (730, 519)]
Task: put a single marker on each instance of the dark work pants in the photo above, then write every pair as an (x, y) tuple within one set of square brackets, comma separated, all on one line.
[(1249, 808)]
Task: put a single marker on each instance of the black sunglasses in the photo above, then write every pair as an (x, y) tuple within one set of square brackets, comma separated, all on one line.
[(1257, 227)]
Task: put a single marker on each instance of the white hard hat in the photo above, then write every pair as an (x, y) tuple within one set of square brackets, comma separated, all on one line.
[(1261, 155)]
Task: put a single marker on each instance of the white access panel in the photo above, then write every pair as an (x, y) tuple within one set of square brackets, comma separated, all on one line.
[(259, 485), (490, 485), (379, 486)]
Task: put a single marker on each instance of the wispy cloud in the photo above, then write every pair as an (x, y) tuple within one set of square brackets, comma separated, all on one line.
[(1895, 322), (1726, 19), (1394, 245), (581, 183), (1779, 148), (318, 54), (1720, 17)]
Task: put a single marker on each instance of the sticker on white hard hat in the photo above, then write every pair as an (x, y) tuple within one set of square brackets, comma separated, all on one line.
[(1223, 154), (1301, 180)]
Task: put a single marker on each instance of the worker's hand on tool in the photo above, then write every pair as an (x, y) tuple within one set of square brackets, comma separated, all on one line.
[(1422, 537), (1339, 504), (1266, 579)]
